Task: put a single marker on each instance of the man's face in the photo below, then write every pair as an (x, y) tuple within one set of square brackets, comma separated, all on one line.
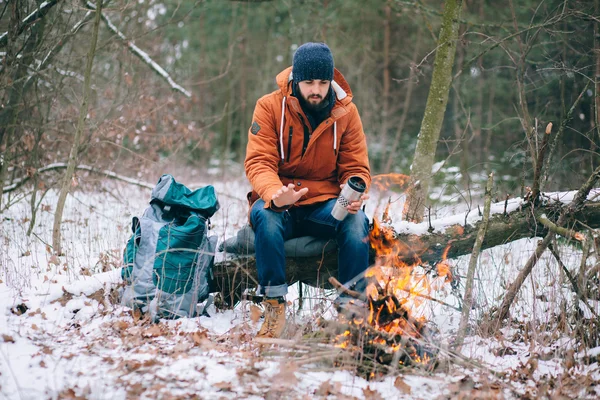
[(314, 92)]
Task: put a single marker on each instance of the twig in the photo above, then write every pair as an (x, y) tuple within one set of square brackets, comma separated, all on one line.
[(468, 299), (562, 127), (282, 342), (559, 230), (577, 203), (535, 191), (142, 55), (343, 289), (32, 18), (20, 181), (572, 280)]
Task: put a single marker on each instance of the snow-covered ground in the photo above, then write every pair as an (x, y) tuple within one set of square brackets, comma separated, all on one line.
[(63, 335)]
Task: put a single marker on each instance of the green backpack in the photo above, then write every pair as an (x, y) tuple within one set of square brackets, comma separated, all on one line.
[(168, 260)]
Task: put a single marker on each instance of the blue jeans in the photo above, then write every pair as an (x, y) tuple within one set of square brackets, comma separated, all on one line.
[(272, 228)]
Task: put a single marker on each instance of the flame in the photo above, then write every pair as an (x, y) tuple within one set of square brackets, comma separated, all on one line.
[(400, 285), (387, 181)]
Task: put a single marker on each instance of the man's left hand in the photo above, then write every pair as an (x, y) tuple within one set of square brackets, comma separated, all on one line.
[(356, 205)]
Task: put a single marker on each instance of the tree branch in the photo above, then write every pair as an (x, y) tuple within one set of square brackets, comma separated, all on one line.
[(142, 55), (32, 18), (20, 181)]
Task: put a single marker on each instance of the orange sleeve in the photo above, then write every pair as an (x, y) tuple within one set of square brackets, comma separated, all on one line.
[(262, 152), (353, 158)]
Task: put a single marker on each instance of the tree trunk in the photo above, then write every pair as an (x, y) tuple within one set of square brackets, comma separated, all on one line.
[(83, 110), (434, 112), (234, 275)]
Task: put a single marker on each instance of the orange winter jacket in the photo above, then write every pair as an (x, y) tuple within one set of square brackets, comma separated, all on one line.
[(337, 148)]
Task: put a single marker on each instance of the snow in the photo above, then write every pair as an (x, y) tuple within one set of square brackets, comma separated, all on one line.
[(74, 341)]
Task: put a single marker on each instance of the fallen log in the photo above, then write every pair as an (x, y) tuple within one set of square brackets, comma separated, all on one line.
[(234, 275)]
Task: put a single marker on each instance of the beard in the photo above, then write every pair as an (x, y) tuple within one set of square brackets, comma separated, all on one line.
[(314, 102)]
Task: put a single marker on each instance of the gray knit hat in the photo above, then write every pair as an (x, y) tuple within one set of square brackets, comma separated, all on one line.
[(312, 61)]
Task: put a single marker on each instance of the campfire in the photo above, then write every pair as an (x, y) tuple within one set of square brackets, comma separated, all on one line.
[(396, 331)]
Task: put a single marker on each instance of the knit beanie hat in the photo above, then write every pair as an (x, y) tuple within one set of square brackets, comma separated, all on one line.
[(312, 61)]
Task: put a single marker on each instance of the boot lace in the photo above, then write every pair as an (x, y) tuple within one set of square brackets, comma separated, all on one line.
[(271, 314)]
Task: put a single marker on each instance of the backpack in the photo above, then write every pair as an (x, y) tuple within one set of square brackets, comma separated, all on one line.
[(168, 260)]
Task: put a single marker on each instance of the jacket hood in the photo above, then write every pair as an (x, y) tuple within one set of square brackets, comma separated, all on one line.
[(339, 84)]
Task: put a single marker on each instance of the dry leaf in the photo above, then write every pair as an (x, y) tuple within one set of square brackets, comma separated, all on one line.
[(34, 327), (199, 337), (182, 347), (371, 394), (7, 339), (401, 385), (326, 388), (46, 350), (132, 365), (121, 325), (224, 386), (54, 260), (42, 364), (153, 331), (286, 376)]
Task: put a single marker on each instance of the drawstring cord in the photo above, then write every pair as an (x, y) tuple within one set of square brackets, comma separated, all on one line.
[(281, 128), (334, 136), (283, 123)]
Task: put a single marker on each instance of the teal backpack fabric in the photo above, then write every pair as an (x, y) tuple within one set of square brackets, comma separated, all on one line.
[(168, 260)]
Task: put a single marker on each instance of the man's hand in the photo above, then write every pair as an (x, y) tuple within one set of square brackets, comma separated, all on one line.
[(356, 205), (287, 195)]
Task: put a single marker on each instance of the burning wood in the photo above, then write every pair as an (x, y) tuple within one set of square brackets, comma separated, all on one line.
[(394, 330)]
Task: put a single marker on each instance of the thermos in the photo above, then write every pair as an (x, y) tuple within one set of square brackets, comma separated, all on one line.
[(351, 192)]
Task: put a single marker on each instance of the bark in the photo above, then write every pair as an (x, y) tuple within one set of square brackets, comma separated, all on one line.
[(235, 275), (74, 154), (434, 112)]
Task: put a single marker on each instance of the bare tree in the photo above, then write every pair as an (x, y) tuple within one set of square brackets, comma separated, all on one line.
[(434, 112), (74, 155)]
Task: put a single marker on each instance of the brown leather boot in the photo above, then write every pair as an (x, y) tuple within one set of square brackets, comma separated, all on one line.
[(274, 323)]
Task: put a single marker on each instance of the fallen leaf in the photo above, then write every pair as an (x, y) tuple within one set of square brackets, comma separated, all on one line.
[(42, 364), (153, 331), (371, 394), (223, 386), (199, 337), (132, 365), (7, 339), (46, 350), (401, 385), (182, 347), (54, 260), (121, 325), (34, 327), (326, 388)]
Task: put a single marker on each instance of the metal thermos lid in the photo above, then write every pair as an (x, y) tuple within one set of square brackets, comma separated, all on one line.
[(357, 184)]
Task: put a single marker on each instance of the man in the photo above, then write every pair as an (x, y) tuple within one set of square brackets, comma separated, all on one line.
[(305, 142)]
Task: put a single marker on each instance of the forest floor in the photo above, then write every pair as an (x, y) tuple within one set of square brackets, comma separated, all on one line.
[(64, 335)]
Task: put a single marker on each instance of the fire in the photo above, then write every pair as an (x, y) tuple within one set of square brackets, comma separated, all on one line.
[(398, 293), (399, 284), (387, 181)]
